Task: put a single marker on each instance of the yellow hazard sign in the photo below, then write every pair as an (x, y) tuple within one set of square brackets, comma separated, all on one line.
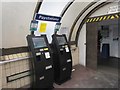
[(101, 18), (112, 17)]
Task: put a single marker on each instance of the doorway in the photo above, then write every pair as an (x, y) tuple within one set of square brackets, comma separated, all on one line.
[(102, 49), (102, 44), (108, 39)]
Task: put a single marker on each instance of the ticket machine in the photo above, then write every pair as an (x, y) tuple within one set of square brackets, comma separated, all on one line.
[(62, 58), (42, 64)]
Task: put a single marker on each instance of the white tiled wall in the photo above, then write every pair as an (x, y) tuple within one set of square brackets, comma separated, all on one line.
[(13, 68), (75, 55)]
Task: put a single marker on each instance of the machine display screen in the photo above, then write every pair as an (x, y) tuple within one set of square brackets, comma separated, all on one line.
[(61, 40), (39, 42)]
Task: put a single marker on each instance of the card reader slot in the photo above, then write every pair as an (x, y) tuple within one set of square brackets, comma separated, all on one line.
[(48, 67), (62, 51), (38, 58)]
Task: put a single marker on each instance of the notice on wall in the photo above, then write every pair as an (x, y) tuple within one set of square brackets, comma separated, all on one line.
[(114, 9), (43, 27), (64, 30)]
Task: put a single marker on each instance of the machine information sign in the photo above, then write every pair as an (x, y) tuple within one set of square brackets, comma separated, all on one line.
[(57, 26), (33, 25), (47, 18)]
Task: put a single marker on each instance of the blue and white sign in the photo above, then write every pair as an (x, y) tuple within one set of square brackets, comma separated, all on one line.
[(47, 18)]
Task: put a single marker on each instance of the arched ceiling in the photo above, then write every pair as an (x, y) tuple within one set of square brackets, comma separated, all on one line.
[(73, 13), (52, 8)]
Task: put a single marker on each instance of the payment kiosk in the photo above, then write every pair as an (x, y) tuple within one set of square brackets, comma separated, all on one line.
[(41, 60), (62, 58)]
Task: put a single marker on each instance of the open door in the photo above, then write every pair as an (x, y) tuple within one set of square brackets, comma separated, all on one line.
[(91, 45)]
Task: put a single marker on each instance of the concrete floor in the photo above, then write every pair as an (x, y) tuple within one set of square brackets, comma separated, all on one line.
[(104, 77)]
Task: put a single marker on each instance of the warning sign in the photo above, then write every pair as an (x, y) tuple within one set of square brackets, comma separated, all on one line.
[(105, 17)]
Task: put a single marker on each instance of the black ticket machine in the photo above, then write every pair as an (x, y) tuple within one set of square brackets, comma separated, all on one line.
[(41, 62), (62, 58)]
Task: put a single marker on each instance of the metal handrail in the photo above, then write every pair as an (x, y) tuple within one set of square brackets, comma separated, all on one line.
[(14, 60)]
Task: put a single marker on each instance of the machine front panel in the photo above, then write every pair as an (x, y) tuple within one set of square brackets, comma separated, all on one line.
[(62, 58), (43, 65)]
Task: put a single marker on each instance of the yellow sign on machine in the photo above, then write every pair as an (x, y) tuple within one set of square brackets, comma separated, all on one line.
[(43, 27)]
